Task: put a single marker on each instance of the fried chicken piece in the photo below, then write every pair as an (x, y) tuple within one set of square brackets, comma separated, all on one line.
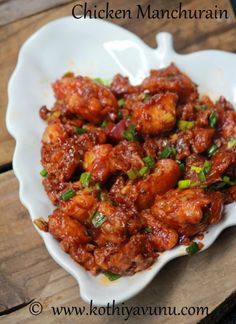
[(80, 206), (133, 256), (160, 235), (65, 228), (120, 85), (142, 193), (86, 98), (96, 161), (185, 210), (163, 178), (120, 223), (156, 115), (201, 139), (171, 79), (221, 161), (54, 132), (126, 155), (229, 124)]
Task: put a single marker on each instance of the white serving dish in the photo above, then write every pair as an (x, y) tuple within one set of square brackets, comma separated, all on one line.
[(98, 49)]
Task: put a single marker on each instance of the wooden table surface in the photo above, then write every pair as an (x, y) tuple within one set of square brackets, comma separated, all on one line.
[(27, 271)]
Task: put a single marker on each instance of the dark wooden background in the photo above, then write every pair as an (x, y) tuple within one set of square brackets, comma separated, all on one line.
[(26, 269)]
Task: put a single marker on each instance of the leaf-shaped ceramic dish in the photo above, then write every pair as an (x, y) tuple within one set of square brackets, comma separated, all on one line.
[(98, 49)]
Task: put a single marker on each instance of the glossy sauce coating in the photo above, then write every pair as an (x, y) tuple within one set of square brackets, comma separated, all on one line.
[(135, 170)]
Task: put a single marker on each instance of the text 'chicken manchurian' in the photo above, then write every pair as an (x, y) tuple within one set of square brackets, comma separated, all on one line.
[(135, 170)]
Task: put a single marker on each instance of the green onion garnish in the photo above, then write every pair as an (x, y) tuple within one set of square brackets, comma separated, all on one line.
[(212, 150), (193, 248), (68, 194), (213, 119), (207, 167), (119, 116), (103, 123), (181, 165), (231, 142), (202, 175), (183, 184), (103, 81), (227, 180), (144, 171), (167, 151), (218, 185), (202, 172), (149, 161), (111, 276), (146, 96), (121, 102), (132, 174), (204, 217), (43, 172), (130, 133), (185, 124), (98, 219), (80, 130), (148, 229), (196, 168), (85, 179)]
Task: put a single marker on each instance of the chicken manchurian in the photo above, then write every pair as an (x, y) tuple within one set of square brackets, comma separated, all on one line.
[(135, 170)]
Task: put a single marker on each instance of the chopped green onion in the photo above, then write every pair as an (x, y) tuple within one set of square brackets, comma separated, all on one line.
[(194, 184), (202, 175), (185, 124), (144, 171), (207, 167), (196, 169), (149, 161), (183, 184), (103, 81), (68, 194), (146, 96), (148, 229), (111, 276), (80, 130), (85, 178), (121, 102), (104, 123), (98, 219), (43, 172), (104, 197), (217, 185), (119, 116), (202, 171), (167, 151), (213, 119), (130, 133), (231, 142), (227, 180), (181, 165), (204, 217), (193, 248), (212, 150), (132, 174)]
